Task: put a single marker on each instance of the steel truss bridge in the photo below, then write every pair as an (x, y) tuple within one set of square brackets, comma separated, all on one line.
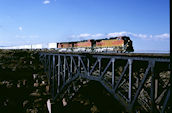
[(137, 81)]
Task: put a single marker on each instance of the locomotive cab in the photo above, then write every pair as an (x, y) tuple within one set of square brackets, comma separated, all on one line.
[(128, 46)]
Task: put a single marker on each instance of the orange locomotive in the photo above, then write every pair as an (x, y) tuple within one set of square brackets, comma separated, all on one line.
[(83, 44), (117, 44), (114, 44)]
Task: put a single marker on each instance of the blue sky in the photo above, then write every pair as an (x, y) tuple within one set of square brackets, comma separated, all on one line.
[(147, 22)]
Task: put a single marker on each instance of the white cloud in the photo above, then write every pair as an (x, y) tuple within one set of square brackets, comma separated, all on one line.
[(163, 36), (84, 35), (142, 36), (97, 35), (123, 33), (46, 2), (117, 34), (20, 28), (87, 35)]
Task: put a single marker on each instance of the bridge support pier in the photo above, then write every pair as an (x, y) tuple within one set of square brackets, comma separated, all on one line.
[(54, 106)]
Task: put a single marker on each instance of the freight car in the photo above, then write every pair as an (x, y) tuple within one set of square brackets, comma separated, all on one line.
[(65, 46), (113, 44)]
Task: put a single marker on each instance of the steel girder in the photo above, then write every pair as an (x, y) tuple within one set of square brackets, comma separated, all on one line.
[(129, 79)]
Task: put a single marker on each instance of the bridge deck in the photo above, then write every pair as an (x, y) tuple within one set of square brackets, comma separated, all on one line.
[(164, 55)]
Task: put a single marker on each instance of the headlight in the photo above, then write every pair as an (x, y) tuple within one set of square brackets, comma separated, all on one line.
[(128, 40)]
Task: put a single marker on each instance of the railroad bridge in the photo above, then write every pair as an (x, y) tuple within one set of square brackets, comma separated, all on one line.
[(138, 81)]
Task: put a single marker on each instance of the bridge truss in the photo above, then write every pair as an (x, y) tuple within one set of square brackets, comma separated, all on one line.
[(138, 82)]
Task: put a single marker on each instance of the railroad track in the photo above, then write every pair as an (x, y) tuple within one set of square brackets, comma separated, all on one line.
[(164, 55)]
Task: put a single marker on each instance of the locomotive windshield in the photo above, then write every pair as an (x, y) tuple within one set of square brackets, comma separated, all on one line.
[(125, 38)]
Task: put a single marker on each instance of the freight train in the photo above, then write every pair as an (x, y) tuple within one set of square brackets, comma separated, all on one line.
[(119, 44)]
